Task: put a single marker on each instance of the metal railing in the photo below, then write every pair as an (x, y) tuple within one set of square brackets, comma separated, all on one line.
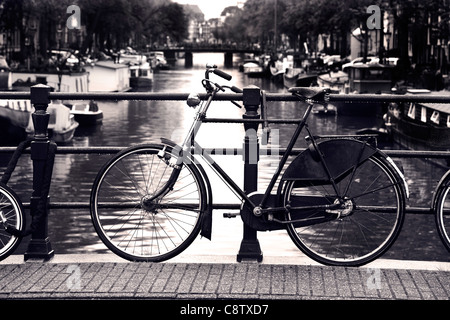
[(40, 96)]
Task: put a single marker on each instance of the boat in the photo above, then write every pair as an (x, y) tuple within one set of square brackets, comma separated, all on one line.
[(86, 114), (277, 71), (298, 77), (370, 78), (65, 81), (107, 76), (158, 60), (18, 113), (252, 68), (362, 78), (420, 125), (61, 125), (5, 75), (321, 110), (141, 75), (336, 81)]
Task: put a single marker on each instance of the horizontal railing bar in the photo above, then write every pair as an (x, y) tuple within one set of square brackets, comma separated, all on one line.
[(161, 96), (217, 206), (86, 205), (235, 151), (431, 98), (224, 120)]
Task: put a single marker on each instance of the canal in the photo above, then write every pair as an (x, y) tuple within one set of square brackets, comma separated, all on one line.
[(131, 122)]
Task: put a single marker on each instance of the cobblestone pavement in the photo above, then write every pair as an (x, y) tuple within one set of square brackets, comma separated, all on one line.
[(112, 280)]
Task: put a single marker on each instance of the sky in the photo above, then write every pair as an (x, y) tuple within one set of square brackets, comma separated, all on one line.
[(211, 8)]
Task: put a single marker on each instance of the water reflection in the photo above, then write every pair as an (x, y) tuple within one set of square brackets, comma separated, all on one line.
[(131, 122)]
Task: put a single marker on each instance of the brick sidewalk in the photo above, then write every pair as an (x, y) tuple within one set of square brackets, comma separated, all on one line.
[(109, 280)]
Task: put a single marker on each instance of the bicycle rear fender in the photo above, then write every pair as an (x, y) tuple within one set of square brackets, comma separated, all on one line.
[(206, 228), (340, 155)]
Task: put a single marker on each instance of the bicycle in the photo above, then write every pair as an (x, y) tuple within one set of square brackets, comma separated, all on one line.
[(342, 200), (441, 209)]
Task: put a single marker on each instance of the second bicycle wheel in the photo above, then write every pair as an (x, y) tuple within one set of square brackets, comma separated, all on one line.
[(137, 213), (363, 219), (442, 211), (13, 215)]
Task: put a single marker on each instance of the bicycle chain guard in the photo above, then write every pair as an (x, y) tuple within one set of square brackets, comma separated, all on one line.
[(260, 223), (340, 155)]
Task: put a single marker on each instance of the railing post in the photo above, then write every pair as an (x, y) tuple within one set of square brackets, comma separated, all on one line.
[(250, 249), (228, 59), (39, 246)]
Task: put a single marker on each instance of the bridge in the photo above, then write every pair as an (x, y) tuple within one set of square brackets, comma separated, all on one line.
[(40, 95), (188, 51)]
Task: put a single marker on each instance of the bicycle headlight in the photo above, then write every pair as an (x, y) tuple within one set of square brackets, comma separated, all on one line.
[(193, 100)]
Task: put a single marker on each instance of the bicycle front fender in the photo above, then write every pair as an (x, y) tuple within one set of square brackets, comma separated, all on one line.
[(443, 183), (340, 157), (206, 228)]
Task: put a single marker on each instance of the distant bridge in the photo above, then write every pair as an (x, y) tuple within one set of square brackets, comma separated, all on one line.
[(228, 51)]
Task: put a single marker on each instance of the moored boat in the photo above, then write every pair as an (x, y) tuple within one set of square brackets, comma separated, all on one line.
[(298, 77), (86, 114), (61, 125), (277, 71), (420, 125), (253, 69), (141, 75), (336, 81), (365, 78)]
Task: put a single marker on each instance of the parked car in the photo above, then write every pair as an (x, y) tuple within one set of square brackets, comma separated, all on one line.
[(359, 60)]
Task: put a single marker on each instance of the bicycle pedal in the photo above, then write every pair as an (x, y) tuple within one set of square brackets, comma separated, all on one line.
[(231, 214)]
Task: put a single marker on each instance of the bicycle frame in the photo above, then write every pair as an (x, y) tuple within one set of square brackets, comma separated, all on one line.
[(192, 147)]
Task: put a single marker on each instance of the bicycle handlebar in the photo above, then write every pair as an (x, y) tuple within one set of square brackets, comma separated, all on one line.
[(236, 89), (222, 74)]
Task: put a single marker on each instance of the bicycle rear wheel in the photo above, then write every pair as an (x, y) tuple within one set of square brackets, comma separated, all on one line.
[(13, 215), (442, 211), (352, 232), (138, 213)]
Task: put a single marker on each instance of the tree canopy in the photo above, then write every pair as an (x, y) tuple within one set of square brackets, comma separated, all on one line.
[(109, 24)]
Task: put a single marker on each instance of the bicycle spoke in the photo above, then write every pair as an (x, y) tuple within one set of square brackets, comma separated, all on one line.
[(361, 225), (138, 214)]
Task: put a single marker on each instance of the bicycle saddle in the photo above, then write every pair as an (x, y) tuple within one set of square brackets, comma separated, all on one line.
[(317, 94)]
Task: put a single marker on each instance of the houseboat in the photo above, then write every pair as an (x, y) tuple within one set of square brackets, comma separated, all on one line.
[(141, 75), (107, 76), (420, 125), (362, 78), (59, 81)]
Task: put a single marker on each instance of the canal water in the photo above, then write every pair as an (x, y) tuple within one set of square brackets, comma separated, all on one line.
[(131, 122)]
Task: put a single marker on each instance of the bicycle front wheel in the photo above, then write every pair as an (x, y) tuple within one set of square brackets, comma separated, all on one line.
[(138, 212), (442, 211), (13, 215), (363, 218)]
